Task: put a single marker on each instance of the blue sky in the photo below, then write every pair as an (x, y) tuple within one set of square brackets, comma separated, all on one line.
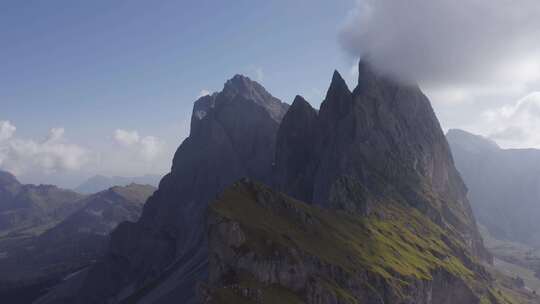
[(92, 67), (107, 87)]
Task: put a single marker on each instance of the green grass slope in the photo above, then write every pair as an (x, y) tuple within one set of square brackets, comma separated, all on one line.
[(395, 248)]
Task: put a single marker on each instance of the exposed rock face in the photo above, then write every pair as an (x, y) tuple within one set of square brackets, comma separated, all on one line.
[(376, 154), (294, 146), (382, 133), (503, 186), (29, 206), (233, 135), (266, 247)]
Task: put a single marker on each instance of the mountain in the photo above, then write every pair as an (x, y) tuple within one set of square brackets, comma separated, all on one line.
[(72, 244), (363, 203), (503, 186), (30, 209), (232, 135), (266, 247), (99, 182), (395, 224), (382, 134)]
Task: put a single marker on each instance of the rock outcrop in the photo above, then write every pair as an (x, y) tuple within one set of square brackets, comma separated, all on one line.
[(383, 134), (163, 256), (266, 247), (385, 218)]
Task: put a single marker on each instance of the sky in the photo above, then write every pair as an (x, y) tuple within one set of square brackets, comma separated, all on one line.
[(107, 87)]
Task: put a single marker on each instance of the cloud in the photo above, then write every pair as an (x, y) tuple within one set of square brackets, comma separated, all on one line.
[(147, 148), (259, 73), (54, 154), (515, 125), (6, 130), (448, 43), (203, 92), (255, 72), (126, 138)]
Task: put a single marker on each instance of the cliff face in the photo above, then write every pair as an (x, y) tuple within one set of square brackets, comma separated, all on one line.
[(266, 247), (398, 227), (164, 254), (382, 133), (395, 224)]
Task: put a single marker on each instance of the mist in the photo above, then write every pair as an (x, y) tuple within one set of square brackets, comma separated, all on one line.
[(446, 42)]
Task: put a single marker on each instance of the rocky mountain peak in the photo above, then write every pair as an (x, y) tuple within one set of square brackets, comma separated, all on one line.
[(380, 143), (8, 179), (366, 73), (384, 133), (338, 101), (251, 90), (294, 148), (300, 105)]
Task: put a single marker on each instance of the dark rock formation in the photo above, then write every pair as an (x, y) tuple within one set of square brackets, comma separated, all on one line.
[(377, 153), (294, 147), (162, 256), (503, 186), (382, 133), (266, 247)]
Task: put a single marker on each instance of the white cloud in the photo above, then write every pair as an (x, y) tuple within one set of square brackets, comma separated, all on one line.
[(54, 154), (514, 125), (448, 42), (259, 73), (151, 147), (6, 130), (126, 138), (255, 72), (470, 57), (203, 92), (147, 148)]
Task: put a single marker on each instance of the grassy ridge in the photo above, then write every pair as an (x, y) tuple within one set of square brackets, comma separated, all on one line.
[(396, 243)]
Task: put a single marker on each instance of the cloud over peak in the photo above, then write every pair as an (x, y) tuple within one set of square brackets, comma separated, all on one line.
[(448, 42)]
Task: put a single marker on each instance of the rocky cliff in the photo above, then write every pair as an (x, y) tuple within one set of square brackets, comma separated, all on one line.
[(266, 247), (383, 134), (397, 227), (163, 256), (385, 218)]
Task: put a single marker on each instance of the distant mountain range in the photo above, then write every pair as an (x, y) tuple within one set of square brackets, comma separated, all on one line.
[(504, 186), (30, 209), (359, 202), (49, 232), (100, 182)]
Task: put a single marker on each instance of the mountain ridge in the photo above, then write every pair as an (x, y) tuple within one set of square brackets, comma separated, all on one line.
[(380, 142)]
